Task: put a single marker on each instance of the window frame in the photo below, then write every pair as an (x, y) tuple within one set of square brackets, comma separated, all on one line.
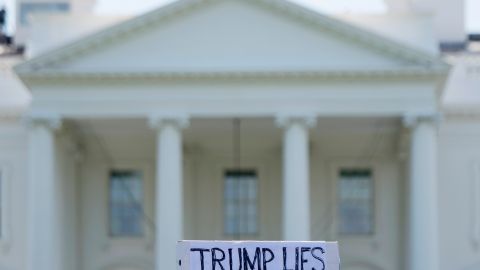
[(373, 226), (335, 166), (109, 206), (147, 241), (241, 235)]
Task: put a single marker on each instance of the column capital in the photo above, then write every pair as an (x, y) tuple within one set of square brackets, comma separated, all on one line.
[(158, 121), (410, 120), (285, 120), (51, 121)]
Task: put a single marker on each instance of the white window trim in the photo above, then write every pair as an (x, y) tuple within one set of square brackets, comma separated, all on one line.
[(335, 167), (220, 164), (5, 237), (255, 172), (147, 238)]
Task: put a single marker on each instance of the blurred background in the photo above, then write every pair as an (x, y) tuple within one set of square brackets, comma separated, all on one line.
[(128, 125)]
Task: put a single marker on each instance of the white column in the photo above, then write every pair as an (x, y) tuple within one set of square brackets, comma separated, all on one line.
[(296, 177), (423, 215), (43, 241), (169, 189)]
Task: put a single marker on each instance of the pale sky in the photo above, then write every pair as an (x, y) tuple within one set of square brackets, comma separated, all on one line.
[(133, 7), (472, 8)]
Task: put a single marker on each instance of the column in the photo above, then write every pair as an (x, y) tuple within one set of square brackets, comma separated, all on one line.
[(423, 215), (296, 178), (43, 239), (169, 189)]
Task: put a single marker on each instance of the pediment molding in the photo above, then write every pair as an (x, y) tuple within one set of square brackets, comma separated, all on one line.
[(411, 73)]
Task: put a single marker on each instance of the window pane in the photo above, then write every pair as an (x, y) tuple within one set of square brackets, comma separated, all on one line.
[(126, 203), (240, 198), (355, 194)]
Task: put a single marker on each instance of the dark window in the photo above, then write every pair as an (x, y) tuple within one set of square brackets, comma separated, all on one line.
[(355, 201), (126, 203), (241, 202)]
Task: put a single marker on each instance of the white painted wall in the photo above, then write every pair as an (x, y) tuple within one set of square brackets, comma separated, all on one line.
[(448, 16), (13, 157), (15, 97), (205, 162), (97, 249), (23, 31), (459, 192), (48, 32)]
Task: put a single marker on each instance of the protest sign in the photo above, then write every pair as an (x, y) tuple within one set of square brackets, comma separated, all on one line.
[(257, 255)]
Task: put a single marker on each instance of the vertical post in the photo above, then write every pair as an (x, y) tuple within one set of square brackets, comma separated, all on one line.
[(423, 224), (43, 218), (169, 189), (296, 177)]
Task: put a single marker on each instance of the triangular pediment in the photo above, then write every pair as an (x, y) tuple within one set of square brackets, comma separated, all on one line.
[(207, 36)]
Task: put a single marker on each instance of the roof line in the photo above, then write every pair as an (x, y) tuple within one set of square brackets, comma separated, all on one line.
[(253, 75)]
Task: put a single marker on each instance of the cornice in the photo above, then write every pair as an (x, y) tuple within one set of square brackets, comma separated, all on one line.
[(466, 112), (412, 73)]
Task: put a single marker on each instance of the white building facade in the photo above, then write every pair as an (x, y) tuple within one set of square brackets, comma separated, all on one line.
[(256, 119)]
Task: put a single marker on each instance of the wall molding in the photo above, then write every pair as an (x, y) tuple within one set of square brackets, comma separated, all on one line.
[(411, 73)]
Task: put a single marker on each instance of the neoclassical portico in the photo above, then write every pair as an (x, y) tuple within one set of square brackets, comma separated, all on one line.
[(295, 68), (422, 221)]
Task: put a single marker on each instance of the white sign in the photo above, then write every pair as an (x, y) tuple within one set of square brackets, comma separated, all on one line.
[(257, 255)]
